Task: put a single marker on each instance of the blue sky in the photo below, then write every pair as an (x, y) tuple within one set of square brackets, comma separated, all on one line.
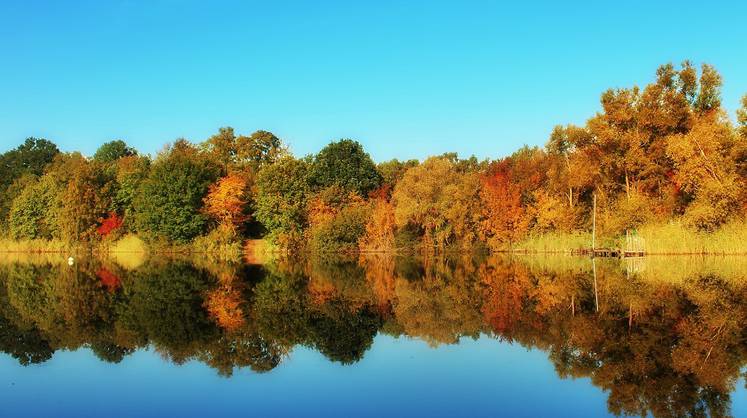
[(406, 79)]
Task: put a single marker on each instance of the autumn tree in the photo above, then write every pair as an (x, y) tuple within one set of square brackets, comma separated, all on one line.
[(392, 171), (705, 170), (740, 151), (227, 200), (380, 227), (82, 197), (503, 214), (65, 203), (440, 201)]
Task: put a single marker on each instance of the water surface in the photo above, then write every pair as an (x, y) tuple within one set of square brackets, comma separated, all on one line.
[(373, 336)]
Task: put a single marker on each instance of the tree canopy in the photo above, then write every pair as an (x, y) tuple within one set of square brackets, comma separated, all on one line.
[(344, 163)]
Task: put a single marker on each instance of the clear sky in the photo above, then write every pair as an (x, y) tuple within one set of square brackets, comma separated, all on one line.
[(405, 78)]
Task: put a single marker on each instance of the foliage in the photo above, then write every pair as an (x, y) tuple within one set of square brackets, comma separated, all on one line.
[(222, 243), (255, 151), (227, 200), (83, 201), (344, 163), (170, 200), (341, 231), (113, 151), (131, 172), (663, 152), (503, 220), (34, 213), (438, 200), (380, 227), (282, 193), (28, 159), (111, 223)]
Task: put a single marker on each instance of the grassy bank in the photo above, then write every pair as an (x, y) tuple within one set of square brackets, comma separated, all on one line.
[(671, 238), (34, 246), (554, 242), (674, 238)]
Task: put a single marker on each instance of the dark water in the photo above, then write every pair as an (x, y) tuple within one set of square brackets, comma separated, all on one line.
[(375, 336)]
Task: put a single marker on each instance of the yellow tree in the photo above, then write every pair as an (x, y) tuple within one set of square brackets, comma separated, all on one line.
[(438, 199), (705, 170), (227, 200)]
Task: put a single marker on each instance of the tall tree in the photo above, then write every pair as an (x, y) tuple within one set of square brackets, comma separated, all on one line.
[(282, 194), (438, 200), (503, 220), (170, 200), (255, 151), (112, 151), (227, 200), (344, 163), (29, 158)]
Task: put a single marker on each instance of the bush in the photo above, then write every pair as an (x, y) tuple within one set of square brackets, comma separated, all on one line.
[(222, 243), (342, 232)]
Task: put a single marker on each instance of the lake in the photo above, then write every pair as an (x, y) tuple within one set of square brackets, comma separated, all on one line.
[(455, 335)]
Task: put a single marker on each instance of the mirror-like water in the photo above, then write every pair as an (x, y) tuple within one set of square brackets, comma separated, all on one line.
[(373, 336)]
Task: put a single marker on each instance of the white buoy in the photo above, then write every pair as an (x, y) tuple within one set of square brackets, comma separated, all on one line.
[(70, 261)]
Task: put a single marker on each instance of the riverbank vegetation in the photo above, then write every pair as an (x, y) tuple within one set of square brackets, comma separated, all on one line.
[(663, 163)]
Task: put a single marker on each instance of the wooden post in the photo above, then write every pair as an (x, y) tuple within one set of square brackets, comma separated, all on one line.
[(630, 316), (594, 226), (573, 305), (596, 293)]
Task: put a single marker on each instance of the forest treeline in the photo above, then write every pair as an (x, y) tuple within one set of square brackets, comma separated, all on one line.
[(665, 153)]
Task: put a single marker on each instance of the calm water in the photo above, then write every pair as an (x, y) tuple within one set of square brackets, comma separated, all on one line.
[(375, 336)]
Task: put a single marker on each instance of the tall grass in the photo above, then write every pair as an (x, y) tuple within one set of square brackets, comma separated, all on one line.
[(555, 242), (675, 238), (221, 244), (34, 246), (34, 258), (671, 238)]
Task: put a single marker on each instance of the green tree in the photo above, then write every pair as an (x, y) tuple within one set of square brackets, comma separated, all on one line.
[(282, 193), (131, 173), (255, 151), (35, 211), (344, 163), (259, 149), (170, 200), (112, 151), (28, 159)]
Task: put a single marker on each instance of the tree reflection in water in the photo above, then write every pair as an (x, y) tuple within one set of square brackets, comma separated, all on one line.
[(660, 336)]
